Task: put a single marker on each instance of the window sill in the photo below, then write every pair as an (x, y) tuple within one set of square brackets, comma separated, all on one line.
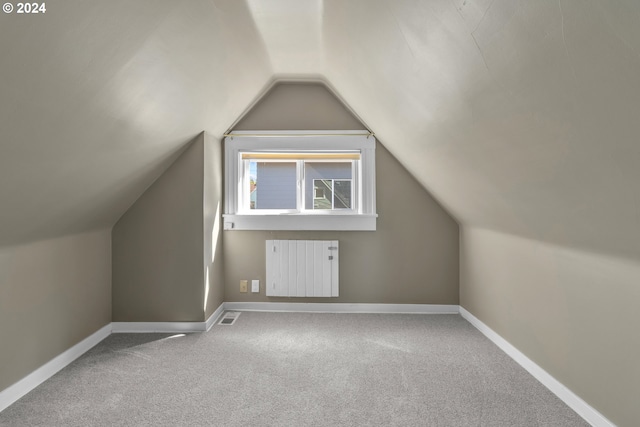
[(301, 222)]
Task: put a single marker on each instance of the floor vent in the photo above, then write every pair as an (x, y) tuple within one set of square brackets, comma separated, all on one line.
[(229, 318)]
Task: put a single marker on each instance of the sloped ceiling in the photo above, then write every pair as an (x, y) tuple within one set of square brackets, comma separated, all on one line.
[(519, 116), (98, 97)]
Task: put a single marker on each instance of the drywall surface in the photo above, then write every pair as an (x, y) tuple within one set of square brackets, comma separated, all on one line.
[(212, 220), (299, 106), (158, 247), (53, 294), (517, 116), (97, 99), (412, 257), (573, 313)]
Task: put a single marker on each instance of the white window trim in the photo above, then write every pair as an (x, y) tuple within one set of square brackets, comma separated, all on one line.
[(240, 141)]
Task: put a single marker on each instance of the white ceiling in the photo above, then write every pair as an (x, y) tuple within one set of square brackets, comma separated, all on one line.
[(519, 116)]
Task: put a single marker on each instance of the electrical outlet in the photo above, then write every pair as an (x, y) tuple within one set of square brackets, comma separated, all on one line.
[(243, 285), (255, 286)]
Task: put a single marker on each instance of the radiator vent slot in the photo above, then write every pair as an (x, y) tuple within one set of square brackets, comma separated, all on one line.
[(302, 268)]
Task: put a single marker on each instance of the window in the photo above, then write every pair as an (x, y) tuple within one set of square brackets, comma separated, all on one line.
[(290, 182), (300, 181)]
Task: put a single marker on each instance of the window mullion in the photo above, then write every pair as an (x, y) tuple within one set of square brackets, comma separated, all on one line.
[(333, 194)]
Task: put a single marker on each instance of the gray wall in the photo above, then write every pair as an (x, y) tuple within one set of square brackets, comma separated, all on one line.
[(53, 294), (411, 258), (212, 226), (158, 271), (572, 312), (298, 106)]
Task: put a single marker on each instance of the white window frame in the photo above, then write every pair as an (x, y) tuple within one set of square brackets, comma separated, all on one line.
[(244, 197), (361, 217)]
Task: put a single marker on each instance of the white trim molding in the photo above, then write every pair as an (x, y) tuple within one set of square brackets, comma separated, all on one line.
[(238, 216), (157, 327), (334, 222), (582, 408), (321, 307), (167, 327), (14, 392), (214, 317)]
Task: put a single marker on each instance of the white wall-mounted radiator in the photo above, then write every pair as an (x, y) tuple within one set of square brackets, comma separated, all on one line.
[(302, 268)]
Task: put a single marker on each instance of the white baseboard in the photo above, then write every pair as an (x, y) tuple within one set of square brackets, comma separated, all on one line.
[(157, 327), (572, 400), (214, 317), (166, 327), (9, 395), (342, 307)]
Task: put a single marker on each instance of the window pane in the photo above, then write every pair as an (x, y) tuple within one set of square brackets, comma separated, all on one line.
[(319, 183), (332, 194), (322, 193), (274, 186), (342, 194)]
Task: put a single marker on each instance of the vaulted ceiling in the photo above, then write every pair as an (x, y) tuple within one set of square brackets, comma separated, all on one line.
[(518, 116)]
